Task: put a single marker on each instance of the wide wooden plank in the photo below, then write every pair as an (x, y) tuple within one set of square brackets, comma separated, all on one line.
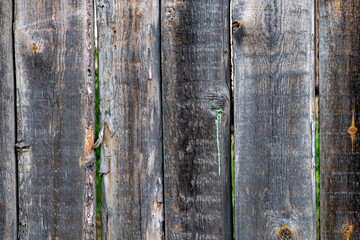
[(8, 207), (274, 119), (55, 119), (130, 108), (196, 114), (339, 69)]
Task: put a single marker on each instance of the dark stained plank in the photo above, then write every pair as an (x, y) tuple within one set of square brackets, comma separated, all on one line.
[(339, 68), (196, 114), (130, 108), (8, 207), (274, 119), (55, 119)]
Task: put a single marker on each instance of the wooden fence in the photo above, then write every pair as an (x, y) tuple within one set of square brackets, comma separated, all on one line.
[(178, 79)]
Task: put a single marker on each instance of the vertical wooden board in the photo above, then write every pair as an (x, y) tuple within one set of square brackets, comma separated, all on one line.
[(196, 119), (55, 119), (8, 208), (274, 119), (339, 32), (130, 108)]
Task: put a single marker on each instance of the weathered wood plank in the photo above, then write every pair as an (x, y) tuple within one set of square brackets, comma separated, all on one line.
[(339, 32), (8, 207), (55, 119), (274, 119), (196, 114), (130, 108)]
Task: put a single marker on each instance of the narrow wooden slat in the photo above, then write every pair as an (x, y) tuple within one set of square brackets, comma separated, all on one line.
[(196, 114), (130, 107), (55, 119), (8, 208), (274, 119), (339, 68)]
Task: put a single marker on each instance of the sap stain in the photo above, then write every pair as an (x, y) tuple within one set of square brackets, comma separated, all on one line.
[(33, 49), (347, 230), (338, 5), (352, 129)]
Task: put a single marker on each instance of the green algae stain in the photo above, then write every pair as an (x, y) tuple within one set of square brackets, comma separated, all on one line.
[(217, 124)]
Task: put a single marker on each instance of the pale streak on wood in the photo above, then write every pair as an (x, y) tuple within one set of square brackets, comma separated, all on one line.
[(130, 119), (8, 206), (274, 119), (55, 119)]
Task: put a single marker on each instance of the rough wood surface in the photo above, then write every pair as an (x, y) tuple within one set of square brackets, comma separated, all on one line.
[(130, 108), (55, 119), (196, 115), (8, 207), (274, 119), (339, 32)]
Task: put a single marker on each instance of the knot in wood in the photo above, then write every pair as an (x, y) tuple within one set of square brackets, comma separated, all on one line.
[(285, 233), (236, 25), (347, 230), (352, 130)]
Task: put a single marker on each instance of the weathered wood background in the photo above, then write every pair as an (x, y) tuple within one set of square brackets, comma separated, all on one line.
[(274, 120), (339, 69), (195, 53), (55, 119), (177, 81), (8, 181), (130, 109)]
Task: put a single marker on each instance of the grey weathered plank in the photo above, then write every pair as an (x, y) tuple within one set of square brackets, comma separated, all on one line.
[(274, 119), (130, 108), (339, 69), (196, 114), (55, 119), (8, 207)]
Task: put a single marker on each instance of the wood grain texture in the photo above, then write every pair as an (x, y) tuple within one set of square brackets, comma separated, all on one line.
[(55, 119), (8, 206), (339, 65), (274, 119), (130, 108), (196, 118)]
